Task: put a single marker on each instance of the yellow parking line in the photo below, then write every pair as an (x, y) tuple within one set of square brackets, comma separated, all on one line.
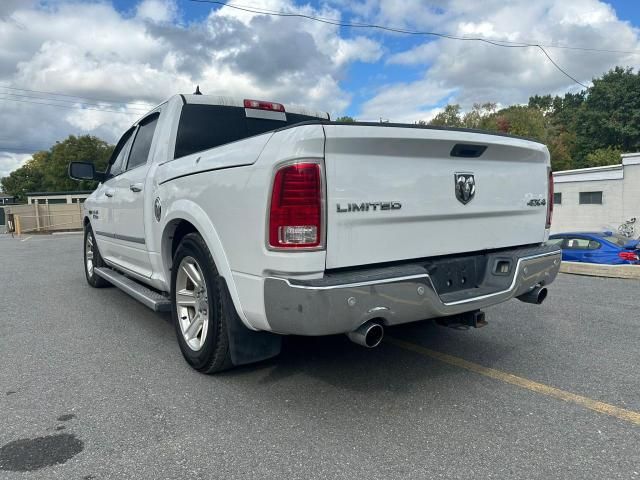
[(621, 413)]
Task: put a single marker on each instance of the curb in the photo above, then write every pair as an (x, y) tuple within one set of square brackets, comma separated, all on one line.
[(597, 270)]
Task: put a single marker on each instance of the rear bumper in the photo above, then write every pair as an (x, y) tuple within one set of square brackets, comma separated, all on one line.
[(340, 303)]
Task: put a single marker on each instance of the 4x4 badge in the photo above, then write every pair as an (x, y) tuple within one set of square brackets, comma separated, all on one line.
[(465, 185)]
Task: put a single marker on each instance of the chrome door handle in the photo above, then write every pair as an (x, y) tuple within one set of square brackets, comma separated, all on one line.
[(135, 187), (108, 193)]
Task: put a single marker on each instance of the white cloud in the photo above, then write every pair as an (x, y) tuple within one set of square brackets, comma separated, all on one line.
[(90, 49), (159, 11), (478, 72), (148, 54), (405, 102), (11, 161)]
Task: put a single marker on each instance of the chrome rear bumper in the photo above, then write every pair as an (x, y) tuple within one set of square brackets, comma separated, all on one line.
[(340, 303)]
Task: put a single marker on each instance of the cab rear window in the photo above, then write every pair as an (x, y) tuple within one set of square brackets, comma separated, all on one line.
[(202, 127)]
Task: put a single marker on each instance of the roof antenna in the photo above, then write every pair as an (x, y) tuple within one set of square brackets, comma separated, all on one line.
[(197, 92)]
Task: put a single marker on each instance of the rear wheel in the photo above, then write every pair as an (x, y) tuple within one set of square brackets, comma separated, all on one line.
[(200, 316), (92, 260)]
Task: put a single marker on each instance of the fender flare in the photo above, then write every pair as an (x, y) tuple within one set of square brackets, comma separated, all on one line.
[(184, 209)]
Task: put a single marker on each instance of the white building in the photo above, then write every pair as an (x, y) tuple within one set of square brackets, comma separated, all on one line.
[(598, 198), (50, 198)]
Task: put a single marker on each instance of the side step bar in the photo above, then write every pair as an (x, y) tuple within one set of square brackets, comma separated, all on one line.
[(150, 298)]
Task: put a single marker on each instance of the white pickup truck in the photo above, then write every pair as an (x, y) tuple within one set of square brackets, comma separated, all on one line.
[(249, 221)]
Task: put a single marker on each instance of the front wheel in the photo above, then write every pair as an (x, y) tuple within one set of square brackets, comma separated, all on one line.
[(199, 314)]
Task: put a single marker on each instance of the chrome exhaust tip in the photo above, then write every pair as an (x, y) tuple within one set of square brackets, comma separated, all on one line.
[(368, 335), (535, 296)]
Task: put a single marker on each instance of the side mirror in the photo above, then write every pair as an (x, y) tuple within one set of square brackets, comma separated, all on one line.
[(84, 171)]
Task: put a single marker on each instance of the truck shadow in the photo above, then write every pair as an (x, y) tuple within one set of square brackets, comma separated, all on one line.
[(345, 366)]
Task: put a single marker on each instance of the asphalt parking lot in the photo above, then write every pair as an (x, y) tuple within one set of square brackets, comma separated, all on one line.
[(94, 378)]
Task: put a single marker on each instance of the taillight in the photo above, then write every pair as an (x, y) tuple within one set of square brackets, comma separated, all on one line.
[(630, 256), (295, 216), (262, 105), (549, 199)]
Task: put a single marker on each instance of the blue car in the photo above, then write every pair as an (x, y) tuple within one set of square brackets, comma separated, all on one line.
[(597, 247)]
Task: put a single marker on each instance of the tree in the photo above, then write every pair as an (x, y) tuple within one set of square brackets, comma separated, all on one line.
[(519, 120), (25, 179), (561, 146), (610, 114), (449, 117), (47, 170), (604, 156), (479, 115), (345, 119)]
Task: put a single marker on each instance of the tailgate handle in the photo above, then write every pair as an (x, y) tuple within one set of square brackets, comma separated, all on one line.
[(466, 150)]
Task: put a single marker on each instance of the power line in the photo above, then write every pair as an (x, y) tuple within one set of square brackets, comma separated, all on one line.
[(560, 68), (65, 106), (333, 21), (6, 148), (75, 102), (142, 104), (497, 43)]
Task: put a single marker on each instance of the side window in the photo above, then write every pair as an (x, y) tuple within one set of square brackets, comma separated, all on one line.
[(555, 241), (557, 198), (590, 198), (582, 244), (594, 245), (117, 161), (142, 142)]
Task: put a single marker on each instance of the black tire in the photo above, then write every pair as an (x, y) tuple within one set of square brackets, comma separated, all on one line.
[(214, 355), (92, 279)]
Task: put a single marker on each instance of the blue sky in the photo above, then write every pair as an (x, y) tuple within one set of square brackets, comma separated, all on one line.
[(361, 78), (120, 55)]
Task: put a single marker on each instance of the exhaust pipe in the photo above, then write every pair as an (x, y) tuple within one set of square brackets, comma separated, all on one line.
[(368, 334), (535, 296), (474, 318)]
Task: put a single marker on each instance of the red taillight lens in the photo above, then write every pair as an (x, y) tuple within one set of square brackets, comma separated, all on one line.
[(295, 218), (630, 256), (550, 200), (262, 105)]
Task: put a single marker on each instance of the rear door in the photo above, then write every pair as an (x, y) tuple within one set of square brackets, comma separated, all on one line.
[(129, 201), (396, 193)]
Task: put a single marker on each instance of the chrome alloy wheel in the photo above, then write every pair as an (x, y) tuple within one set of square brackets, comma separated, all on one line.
[(192, 303), (88, 254)]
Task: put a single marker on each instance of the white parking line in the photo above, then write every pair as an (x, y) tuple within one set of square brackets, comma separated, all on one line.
[(25, 239)]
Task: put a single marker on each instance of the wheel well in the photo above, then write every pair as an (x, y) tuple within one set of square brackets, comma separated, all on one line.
[(172, 235), (182, 228)]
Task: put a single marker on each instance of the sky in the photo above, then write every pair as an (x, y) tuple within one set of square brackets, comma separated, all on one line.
[(124, 56)]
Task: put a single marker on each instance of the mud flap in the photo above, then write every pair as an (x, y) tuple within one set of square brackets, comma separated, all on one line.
[(247, 346)]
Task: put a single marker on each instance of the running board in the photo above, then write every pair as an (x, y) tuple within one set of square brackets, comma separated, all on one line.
[(149, 298)]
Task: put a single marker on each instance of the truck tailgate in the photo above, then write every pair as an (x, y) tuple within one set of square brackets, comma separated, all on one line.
[(391, 193)]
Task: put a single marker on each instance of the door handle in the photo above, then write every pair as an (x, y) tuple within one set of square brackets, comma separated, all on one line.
[(135, 187), (108, 193)]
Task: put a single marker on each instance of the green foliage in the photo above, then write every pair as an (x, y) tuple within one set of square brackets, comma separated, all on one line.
[(47, 170), (585, 129), (604, 156), (345, 119), (516, 120), (610, 115), (560, 147), (449, 117), (479, 116), (520, 120)]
